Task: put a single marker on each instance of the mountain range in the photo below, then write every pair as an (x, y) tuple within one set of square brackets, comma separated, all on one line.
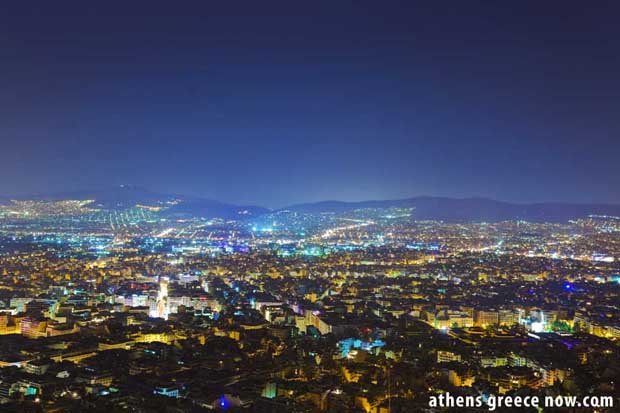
[(424, 207), (470, 209), (127, 196)]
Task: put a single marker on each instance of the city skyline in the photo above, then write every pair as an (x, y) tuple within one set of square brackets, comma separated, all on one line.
[(310, 207)]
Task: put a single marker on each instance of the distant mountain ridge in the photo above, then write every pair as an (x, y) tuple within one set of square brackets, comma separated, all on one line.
[(469, 209), (424, 207), (127, 196), (118, 196)]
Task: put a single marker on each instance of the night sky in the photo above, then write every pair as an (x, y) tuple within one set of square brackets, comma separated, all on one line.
[(274, 103)]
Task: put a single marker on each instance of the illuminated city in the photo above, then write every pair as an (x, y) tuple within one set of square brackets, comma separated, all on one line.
[(323, 207), (300, 310)]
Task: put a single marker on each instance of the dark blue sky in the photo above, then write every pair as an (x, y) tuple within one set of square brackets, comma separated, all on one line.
[(280, 102)]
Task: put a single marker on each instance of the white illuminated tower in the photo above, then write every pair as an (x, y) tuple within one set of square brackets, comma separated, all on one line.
[(162, 298)]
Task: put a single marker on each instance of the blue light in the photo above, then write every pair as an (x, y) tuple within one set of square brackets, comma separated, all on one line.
[(568, 286), (223, 403)]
